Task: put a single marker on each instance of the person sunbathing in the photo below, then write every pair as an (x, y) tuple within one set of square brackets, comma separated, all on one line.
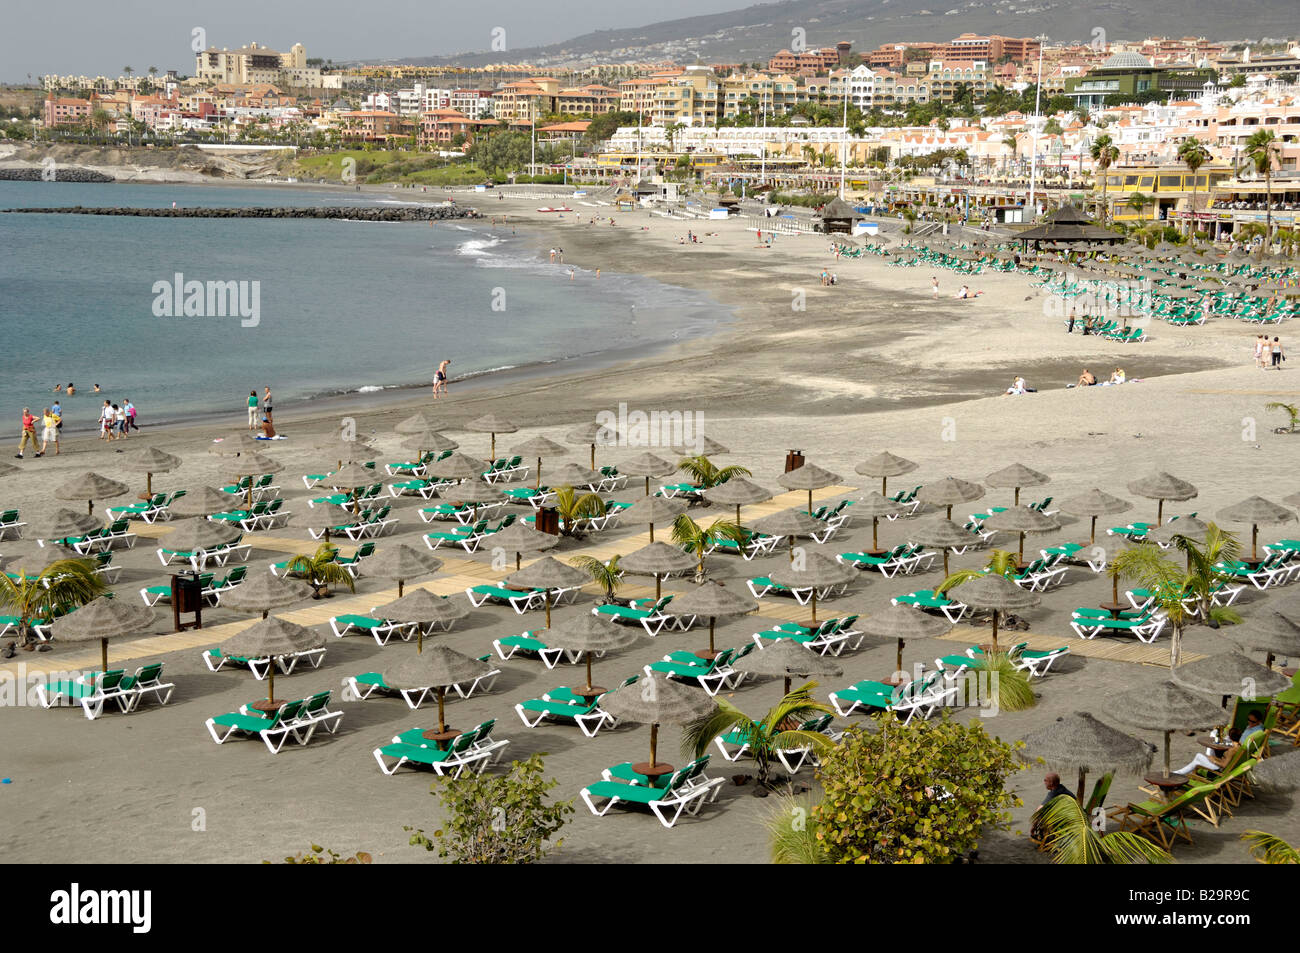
[(1087, 378), (965, 292), (268, 429)]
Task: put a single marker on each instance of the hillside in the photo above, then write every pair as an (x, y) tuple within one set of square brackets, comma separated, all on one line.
[(755, 32)]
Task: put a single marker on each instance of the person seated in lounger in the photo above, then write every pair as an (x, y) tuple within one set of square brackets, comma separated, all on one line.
[(1211, 761), (1254, 723), (1087, 378)]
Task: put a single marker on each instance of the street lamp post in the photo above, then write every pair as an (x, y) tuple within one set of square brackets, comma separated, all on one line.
[(844, 138), (1033, 158)]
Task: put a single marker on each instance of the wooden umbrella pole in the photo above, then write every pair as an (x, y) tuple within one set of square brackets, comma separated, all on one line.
[(654, 743), (442, 722), (1092, 539), (103, 645), (652, 532), (1017, 497), (875, 533), (995, 631), (588, 671)]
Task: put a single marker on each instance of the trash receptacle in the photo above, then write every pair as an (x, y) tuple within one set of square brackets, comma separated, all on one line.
[(187, 597), (548, 520), (793, 460)]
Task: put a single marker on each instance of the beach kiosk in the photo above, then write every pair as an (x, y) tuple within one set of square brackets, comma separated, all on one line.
[(838, 216)]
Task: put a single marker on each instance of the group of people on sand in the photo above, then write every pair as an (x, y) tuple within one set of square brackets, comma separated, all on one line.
[(440, 379), (828, 278), (1089, 379), (962, 294), (1269, 354), (263, 417)]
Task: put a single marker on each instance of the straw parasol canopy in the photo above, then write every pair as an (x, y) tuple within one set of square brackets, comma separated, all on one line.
[(458, 466), (1022, 520), (326, 516), (646, 465), (424, 608), (876, 505), (1188, 526), (659, 560), (903, 623), (520, 539), (1278, 773), (416, 423), (103, 618), (737, 492), (90, 487), (541, 447), (655, 700), (944, 535), (1256, 510), (1230, 673), (814, 570), (204, 501), (271, 639), (1081, 742), (809, 477), (429, 441), (1161, 486), (789, 523), (1164, 707), (949, 492), (701, 446), (353, 476), (787, 659), (572, 474), (188, 535), (713, 601), (654, 509), (32, 562), (148, 460), (547, 573), (1292, 500), (251, 463), (401, 562), (473, 492), (264, 592), (995, 593), (439, 668), (1272, 632), (492, 424), (592, 435), (590, 635), (61, 524), (1016, 475)]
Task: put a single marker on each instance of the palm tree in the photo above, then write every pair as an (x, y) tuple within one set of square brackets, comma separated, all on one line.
[(1259, 150), (1011, 143), (697, 539), (1068, 835), (1292, 412), (572, 507), (63, 584), (777, 730), (607, 575), (1269, 848), (1105, 153), (1138, 201), (321, 569), (1175, 587), (705, 474), (1194, 155)]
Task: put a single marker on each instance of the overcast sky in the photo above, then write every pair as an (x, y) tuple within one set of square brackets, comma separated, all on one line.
[(95, 37)]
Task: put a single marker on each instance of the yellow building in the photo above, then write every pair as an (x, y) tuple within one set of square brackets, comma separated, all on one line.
[(1168, 187)]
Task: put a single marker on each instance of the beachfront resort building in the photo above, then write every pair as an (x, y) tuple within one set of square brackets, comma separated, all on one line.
[(257, 64), (1132, 74)]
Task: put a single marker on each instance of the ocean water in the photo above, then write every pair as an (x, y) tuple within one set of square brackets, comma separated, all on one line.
[(340, 306)]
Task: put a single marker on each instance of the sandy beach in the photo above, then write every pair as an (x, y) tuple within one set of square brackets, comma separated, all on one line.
[(873, 363)]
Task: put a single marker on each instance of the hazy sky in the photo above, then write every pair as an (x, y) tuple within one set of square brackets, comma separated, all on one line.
[(95, 37)]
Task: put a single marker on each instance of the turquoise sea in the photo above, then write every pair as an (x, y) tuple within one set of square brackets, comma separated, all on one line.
[(341, 306)]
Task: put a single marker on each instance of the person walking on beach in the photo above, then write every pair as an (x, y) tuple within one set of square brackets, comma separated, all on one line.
[(119, 419), (29, 433), (1278, 356), (1260, 343), (50, 431), (440, 378), (266, 404), (130, 416), (252, 409), (934, 285), (106, 422)]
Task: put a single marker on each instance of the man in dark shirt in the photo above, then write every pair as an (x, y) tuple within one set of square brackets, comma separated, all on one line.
[(1055, 789)]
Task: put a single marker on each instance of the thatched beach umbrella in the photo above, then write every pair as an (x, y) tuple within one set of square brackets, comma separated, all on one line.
[(944, 535), (646, 465), (204, 501), (1164, 707), (401, 562), (1022, 520), (416, 423), (792, 523), (251, 464), (655, 700), (547, 573), (787, 659), (903, 623), (654, 509), (541, 447), (352, 477), (439, 668), (658, 559), (815, 570), (701, 446), (326, 516), (713, 601), (149, 460), (188, 535), (521, 539), (423, 608), (474, 492), (61, 524), (1016, 476), (272, 639), (90, 487), (737, 492), (1081, 742), (1189, 526), (571, 474), (1230, 673), (995, 593), (1271, 631), (591, 435), (1256, 510), (32, 562), (1293, 500), (589, 635), (1278, 773), (809, 477), (458, 466), (876, 505), (103, 618), (1161, 486), (492, 424), (949, 492), (265, 592), (429, 441)]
